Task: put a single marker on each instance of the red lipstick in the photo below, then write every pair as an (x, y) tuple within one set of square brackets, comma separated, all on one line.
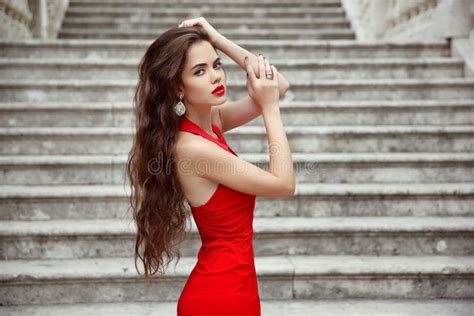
[(219, 90)]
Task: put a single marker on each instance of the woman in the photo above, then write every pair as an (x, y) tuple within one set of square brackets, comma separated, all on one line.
[(180, 158)]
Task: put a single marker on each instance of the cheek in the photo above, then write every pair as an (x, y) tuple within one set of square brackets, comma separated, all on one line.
[(198, 83), (198, 89)]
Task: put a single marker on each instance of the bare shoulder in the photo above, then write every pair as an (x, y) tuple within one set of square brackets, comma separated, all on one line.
[(207, 160), (197, 190), (187, 145), (183, 140)]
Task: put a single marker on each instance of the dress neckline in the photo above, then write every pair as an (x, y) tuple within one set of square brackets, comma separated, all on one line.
[(212, 125)]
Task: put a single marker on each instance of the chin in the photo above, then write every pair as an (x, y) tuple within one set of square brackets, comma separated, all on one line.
[(224, 99)]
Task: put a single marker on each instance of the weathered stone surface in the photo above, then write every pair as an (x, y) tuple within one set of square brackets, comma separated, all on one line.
[(382, 141)]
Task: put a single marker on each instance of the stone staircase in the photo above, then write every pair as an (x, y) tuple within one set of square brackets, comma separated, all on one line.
[(382, 141)]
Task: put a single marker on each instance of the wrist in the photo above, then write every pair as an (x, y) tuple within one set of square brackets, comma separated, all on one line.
[(270, 109), (217, 39)]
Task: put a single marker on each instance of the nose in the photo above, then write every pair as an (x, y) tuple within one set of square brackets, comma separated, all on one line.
[(217, 77)]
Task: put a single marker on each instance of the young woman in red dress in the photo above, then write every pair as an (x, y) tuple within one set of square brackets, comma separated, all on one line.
[(180, 159)]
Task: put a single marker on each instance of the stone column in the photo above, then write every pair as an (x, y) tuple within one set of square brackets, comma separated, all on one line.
[(378, 17), (40, 19)]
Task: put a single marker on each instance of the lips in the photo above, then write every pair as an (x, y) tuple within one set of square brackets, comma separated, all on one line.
[(218, 90)]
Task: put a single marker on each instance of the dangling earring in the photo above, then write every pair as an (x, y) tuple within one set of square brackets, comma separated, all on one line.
[(179, 107)]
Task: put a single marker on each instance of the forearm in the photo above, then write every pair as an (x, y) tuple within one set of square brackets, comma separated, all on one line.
[(237, 53), (280, 161)]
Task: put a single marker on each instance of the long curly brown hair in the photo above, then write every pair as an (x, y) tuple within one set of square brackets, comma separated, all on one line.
[(160, 210)]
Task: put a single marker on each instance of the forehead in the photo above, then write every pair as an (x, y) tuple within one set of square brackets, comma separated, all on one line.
[(202, 52)]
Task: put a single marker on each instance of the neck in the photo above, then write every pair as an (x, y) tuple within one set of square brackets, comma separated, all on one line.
[(201, 119)]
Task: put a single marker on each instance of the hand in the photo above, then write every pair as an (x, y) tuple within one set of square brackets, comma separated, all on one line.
[(264, 91), (201, 21)]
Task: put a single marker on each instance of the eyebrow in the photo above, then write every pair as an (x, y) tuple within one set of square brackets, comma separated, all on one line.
[(204, 64)]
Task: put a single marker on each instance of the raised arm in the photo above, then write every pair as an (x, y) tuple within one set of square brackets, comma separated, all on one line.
[(238, 54), (234, 51), (208, 160)]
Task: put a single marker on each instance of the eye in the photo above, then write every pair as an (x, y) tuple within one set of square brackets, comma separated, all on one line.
[(219, 64)]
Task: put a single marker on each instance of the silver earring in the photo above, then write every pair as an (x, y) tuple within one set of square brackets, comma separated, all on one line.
[(179, 107)]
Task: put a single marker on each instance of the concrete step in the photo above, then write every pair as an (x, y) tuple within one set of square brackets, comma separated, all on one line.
[(321, 89), (275, 34), (52, 90), (288, 49), (329, 113), (206, 3), (246, 139), (295, 70), (372, 236), (279, 277), (291, 307), (218, 23), (322, 168), (210, 12), (26, 202)]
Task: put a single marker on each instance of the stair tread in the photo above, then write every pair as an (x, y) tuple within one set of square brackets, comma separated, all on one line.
[(215, 20), (325, 104), (112, 30), (123, 267), (158, 10), (354, 157), (342, 307), (321, 82), (276, 61), (290, 129), (67, 191), (261, 225), (277, 43)]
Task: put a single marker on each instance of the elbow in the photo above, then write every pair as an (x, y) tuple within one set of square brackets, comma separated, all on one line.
[(284, 189), (290, 190)]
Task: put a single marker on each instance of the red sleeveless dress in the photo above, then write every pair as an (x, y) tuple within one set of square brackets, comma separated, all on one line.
[(224, 281)]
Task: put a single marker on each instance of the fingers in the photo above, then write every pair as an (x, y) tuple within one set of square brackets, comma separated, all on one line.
[(187, 22), (268, 69), (275, 73), (191, 22), (261, 66), (248, 67), (264, 68)]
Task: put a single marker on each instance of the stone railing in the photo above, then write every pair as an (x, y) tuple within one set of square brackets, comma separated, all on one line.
[(416, 20), (31, 18), (410, 19)]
